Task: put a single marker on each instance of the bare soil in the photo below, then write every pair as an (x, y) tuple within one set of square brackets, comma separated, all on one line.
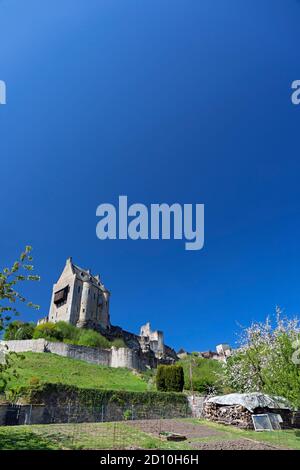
[(216, 440)]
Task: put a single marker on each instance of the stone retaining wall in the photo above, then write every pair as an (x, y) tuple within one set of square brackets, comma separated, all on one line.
[(114, 357)]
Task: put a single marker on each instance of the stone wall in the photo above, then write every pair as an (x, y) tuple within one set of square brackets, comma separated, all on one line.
[(196, 403), (122, 357), (57, 403)]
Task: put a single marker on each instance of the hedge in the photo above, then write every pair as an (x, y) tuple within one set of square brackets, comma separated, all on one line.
[(170, 378)]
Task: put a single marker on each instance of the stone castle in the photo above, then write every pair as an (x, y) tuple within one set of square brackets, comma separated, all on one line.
[(80, 298)]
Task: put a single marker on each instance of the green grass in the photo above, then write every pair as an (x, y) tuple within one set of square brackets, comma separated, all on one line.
[(123, 436), (286, 438), (80, 436), (206, 373), (50, 368)]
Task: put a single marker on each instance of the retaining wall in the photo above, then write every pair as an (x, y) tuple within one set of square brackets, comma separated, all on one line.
[(114, 357)]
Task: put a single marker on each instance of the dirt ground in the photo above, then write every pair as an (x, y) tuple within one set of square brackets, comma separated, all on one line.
[(199, 436)]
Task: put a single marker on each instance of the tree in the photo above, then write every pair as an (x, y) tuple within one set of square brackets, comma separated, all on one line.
[(170, 378), (17, 330), (264, 361), (10, 279), (10, 300)]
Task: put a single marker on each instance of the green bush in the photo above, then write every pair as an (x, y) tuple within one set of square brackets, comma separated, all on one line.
[(69, 332), (160, 379), (92, 339), (47, 331), (60, 331), (118, 343), (127, 415), (170, 378), (17, 330)]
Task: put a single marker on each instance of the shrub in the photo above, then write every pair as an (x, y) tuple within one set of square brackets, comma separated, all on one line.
[(25, 332), (118, 343), (127, 415), (69, 332), (93, 339), (47, 331), (160, 379), (170, 378), (19, 330)]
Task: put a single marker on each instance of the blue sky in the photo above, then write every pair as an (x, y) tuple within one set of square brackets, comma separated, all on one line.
[(165, 101)]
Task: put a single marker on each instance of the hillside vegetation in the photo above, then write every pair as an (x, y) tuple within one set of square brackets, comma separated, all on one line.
[(60, 331), (206, 374), (39, 368)]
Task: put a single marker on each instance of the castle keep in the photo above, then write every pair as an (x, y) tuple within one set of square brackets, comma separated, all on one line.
[(79, 298)]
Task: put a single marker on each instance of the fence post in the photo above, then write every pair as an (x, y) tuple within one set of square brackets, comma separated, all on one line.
[(69, 411), (28, 417)]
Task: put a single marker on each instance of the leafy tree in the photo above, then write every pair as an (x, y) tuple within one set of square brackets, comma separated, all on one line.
[(17, 330), (10, 279), (160, 379), (170, 378), (265, 359), (11, 299)]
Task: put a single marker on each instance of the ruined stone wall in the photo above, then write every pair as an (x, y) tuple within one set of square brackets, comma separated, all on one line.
[(122, 357), (25, 345)]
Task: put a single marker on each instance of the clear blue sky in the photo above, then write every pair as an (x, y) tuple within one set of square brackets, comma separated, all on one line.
[(166, 101)]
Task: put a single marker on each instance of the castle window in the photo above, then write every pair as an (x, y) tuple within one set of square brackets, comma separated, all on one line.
[(60, 297), (78, 289)]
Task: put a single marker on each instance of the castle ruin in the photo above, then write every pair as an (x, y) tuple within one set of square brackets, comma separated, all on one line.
[(80, 298)]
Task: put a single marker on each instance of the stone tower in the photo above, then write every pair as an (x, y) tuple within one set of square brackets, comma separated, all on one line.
[(79, 298), (154, 339)]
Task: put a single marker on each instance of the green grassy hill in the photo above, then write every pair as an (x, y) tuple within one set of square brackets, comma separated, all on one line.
[(49, 368), (206, 374)]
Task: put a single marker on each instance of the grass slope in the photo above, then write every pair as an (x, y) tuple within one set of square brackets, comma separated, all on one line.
[(80, 436), (50, 368)]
